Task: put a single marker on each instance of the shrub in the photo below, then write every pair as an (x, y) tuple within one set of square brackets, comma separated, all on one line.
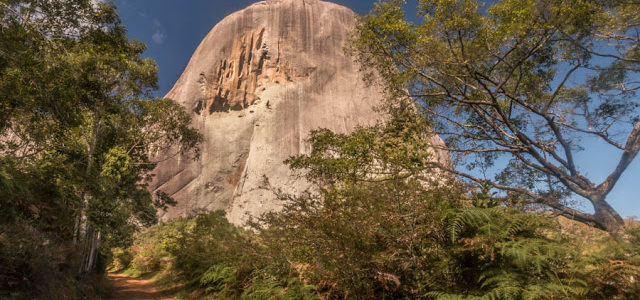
[(215, 258), (38, 265), (269, 287), (614, 271), (146, 255), (374, 225), (122, 259), (218, 278)]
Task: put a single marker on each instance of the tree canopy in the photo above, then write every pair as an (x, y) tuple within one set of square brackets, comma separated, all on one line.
[(80, 132), (518, 87)]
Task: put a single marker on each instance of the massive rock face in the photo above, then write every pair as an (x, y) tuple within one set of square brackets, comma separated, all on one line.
[(257, 84)]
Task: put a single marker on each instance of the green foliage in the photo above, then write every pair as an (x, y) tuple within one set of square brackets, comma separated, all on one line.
[(121, 259), (525, 81), (507, 254), (376, 225), (391, 151), (217, 278), (78, 132), (283, 289), (217, 259), (370, 229), (209, 241), (37, 265), (614, 269)]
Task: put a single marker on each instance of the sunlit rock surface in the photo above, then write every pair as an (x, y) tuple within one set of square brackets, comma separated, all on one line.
[(257, 84)]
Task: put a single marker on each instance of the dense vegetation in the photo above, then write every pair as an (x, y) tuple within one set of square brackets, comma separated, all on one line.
[(79, 133), (374, 225)]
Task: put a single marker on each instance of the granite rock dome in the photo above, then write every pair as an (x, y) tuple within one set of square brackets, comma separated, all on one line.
[(259, 82)]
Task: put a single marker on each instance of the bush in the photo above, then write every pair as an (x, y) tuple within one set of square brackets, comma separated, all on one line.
[(613, 272), (504, 253), (37, 265), (374, 225), (215, 258), (145, 256), (217, 278), (122, 259), (269, 287), (463, 249)]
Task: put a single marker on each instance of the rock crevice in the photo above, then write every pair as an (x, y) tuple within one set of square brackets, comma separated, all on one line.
[(237, 80), (259, 82)]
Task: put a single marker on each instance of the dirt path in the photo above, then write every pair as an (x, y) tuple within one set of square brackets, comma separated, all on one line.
[(129, 288)]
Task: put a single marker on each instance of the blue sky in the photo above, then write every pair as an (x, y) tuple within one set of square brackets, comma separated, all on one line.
[(173, 29)]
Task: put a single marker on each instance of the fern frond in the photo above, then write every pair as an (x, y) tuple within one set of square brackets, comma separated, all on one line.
[(472, 217)]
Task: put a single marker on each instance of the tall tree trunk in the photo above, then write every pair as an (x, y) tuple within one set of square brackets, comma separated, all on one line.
[(85, 230), (95, 244), (86, 246), (90, 250), (76, 227), (606, 217)]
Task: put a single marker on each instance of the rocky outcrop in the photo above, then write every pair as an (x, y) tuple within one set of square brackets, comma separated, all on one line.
[(257, 84)]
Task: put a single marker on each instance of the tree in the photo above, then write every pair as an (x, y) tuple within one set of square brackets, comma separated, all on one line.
[(79, 131), (370, 228), (369, 225), (518, 87)]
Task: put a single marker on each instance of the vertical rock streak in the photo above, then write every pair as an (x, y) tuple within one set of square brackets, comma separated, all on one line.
[(257, 84)]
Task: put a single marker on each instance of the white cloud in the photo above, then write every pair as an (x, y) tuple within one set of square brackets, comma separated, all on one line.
[(158, 36)]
